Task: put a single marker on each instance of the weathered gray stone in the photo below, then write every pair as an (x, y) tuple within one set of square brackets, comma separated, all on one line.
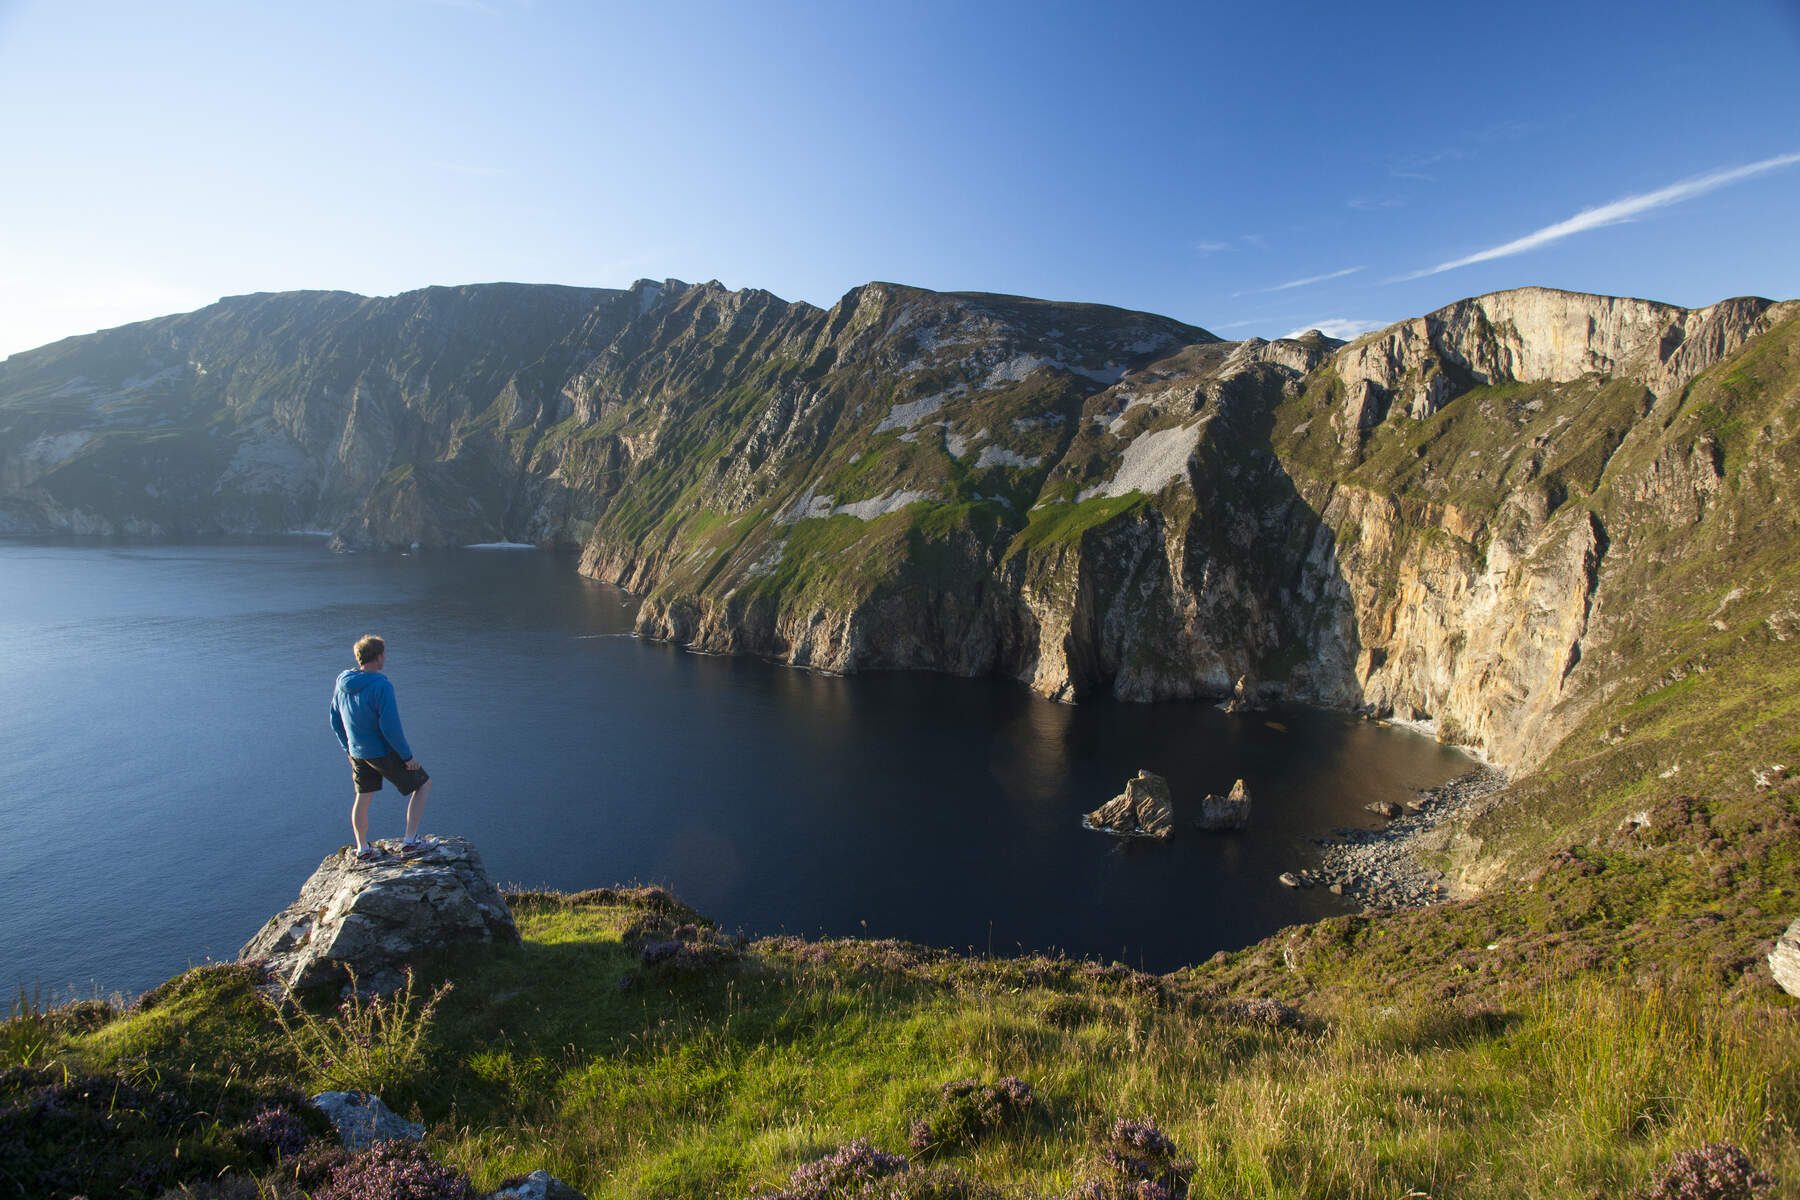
[(539, 1185), (361, 1119), (1384, 808), (1230, 811), (1143, 809), (1784, 960), (1289, 879), (376, 919)]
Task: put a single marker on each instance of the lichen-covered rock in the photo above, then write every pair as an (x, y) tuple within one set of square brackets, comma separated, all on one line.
[(361, 1119), (376, 919), (539, 1185), (1230, 811), (1784, 960), (1143, 809)]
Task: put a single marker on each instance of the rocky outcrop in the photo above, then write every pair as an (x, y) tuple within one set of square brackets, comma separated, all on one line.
[(539, 1185), (1143, 809), (377, 919), (361, 1120), (1784, 960), (1539, 335), (1230, 811)]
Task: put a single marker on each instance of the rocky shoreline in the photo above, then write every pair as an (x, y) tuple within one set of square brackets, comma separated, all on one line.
[(1381, 867)]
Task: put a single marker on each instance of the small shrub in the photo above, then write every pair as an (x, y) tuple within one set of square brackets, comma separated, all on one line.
[(372, 1044), (1266, 1011), (858, 1171), (396, 1171), (684, 947), (1138, 1161), (119, 1135), (1713, 1172), (274, 1132), (968, 1111), (313, 1169), (846, 1172)]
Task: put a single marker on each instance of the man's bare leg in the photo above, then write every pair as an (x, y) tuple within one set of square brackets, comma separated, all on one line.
[(359, 818), (415, 810)]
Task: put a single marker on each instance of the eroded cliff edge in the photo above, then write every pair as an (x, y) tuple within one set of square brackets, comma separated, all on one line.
[(1467, 519)]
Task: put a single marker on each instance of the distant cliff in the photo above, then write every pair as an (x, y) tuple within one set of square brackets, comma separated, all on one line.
[(1478, 518)]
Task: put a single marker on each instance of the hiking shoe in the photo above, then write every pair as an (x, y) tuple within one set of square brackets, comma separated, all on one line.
[(367, 854), (415, 846)]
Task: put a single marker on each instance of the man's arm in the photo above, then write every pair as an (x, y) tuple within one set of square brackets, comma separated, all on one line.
[(389, 719), (337, 725)]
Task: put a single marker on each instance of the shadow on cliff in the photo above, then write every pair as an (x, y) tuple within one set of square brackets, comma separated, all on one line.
[(1237, 577)]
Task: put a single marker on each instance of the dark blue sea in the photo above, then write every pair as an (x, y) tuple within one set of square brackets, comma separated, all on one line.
[(168, 777)]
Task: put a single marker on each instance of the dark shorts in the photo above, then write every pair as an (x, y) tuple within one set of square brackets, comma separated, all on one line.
[(369, 772)]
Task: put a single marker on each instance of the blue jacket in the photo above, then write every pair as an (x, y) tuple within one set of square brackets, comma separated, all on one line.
[(365, 716)]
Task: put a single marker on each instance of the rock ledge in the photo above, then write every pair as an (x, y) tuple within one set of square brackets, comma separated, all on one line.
[(376, 919)]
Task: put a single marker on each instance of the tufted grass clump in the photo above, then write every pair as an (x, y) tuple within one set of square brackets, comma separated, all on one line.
[(369, 1043)]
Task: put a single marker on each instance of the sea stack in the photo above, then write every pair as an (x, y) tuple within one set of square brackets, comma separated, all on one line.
[(1230, 811), (1143, 809)]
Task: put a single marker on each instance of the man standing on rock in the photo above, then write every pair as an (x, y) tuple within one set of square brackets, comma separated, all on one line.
[(366, 719)]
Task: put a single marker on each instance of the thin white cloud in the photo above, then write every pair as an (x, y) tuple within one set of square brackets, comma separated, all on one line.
[(1342, 328), (1211, 247), (1612, 214), (1234, 324), (1298, 283)]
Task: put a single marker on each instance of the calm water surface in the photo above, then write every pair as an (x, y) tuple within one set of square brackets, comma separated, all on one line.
[(168, 778)]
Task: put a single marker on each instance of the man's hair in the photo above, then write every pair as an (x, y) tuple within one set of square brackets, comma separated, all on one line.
[(369, 648)]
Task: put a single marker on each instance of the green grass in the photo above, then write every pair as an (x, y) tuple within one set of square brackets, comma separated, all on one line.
[(720, 1084), (1061, 524)]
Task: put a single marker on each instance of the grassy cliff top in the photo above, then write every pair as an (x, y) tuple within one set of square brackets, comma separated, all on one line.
[(719, 1070)]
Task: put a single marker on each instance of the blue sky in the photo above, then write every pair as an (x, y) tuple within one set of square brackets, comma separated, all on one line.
[(1254, 168)]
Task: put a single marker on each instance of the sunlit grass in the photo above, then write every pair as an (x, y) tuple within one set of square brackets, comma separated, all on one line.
[(720, 1085)]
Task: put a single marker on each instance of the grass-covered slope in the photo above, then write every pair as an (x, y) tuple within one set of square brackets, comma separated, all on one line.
[(721, 1077)]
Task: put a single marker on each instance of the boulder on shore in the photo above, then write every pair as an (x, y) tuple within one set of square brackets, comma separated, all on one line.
[(1784, 960), (376, 919), (1143, 809), (1230, 811)]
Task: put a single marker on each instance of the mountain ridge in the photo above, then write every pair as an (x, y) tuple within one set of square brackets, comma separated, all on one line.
[(1089, 499)]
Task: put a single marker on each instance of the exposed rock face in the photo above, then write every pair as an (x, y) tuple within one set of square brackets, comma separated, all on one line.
[(1784, 960), (361, 1120), (377, 919), (1230, 811), (1143, 809), (1533, 335), (1456, 521)]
